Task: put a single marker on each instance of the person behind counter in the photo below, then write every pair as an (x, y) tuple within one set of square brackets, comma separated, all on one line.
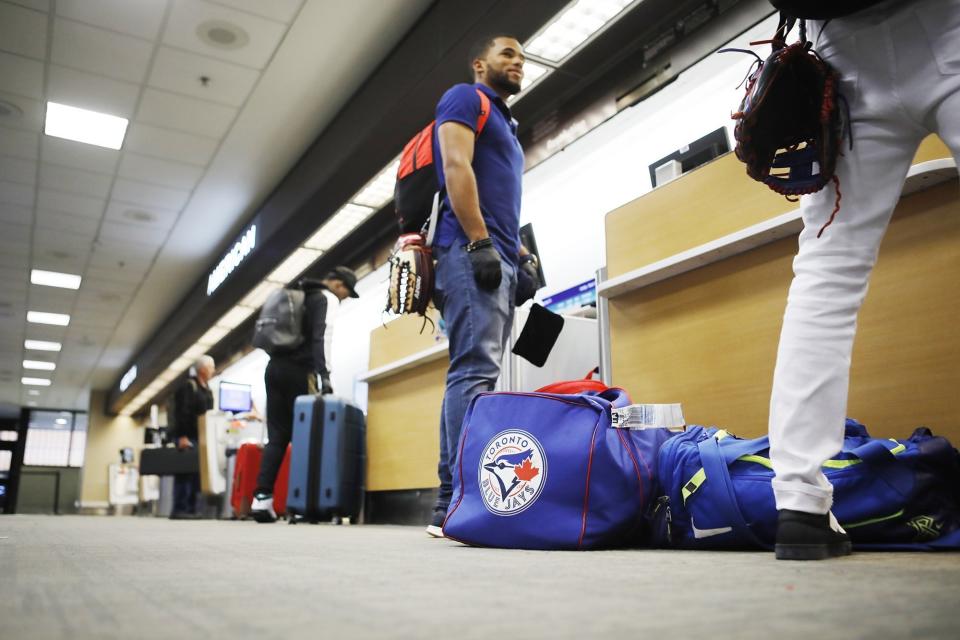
[(298, 373), (192, 400)]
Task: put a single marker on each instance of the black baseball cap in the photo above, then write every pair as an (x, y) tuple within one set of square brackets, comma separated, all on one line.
[(347, 276)]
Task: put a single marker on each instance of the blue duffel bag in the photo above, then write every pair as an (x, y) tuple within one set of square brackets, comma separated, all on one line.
[(550, 471), (887, 494)]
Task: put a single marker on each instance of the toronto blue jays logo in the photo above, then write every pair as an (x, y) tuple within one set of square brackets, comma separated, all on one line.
[(512, 472)]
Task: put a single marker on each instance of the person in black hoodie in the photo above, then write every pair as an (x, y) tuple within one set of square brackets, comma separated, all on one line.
[(192, 400), (303, 371)]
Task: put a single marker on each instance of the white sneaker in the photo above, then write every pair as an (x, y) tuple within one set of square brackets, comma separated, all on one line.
[(434, 531), (435, 528), (262, 509)]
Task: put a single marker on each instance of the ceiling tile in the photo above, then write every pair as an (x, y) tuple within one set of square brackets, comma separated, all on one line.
[(19, 144), (172, 145), (21, 76), (16, 233), (14, 248), (281, 10), (162, 172), (101, 316), (78, 155), (29, 114), (82, 225), (70, 203), (174, 111), (14, 279), (88, 91), (141, 18), (23, 31), (110, 280), (95, 185), (111, 54), (151, 218), (180, 72), (18, 170), (117, 232), (256, 38), (149, 195), (36, 5), (52, 299), (16, 214), (93, 300), (132, 258), (61, 258), (76, 242), (15, 260), (15, 193)]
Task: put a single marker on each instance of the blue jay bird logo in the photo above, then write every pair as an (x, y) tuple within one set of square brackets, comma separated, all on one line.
[(511, 472)]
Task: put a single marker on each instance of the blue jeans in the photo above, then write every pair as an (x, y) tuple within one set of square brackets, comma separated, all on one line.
[(478, 326)]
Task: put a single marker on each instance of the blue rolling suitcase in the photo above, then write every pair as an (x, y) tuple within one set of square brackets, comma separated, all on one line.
[(327, 460)]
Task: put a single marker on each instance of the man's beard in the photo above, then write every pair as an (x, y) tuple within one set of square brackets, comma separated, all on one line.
[(500, 80)]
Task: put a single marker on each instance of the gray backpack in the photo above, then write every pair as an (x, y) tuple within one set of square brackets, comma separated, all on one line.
[(279, 327)]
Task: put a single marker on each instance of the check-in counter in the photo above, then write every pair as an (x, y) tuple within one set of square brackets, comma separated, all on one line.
[(697, 278)]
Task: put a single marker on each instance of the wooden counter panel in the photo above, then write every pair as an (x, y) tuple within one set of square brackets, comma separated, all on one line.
[(401, 338), (403, 427), (708, 338), (712, 201)]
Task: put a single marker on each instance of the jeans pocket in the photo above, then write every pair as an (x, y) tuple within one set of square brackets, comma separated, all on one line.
[(941, 23)]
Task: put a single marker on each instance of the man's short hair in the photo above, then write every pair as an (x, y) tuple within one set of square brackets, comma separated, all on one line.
[(203, 361), (481, 46)]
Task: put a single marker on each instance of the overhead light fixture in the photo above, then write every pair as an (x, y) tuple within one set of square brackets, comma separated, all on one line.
[(33, 392), (232, 319), (379, 191), (348, 218), (195, 351), (31, 404), (55, 279), (60, 421), (36, 382), (574, 27), (180, 365), (533, 73), (39, 365), (212, 336), (294, 265), (42, 317), (259, 295), (83, 125), (42, 345)]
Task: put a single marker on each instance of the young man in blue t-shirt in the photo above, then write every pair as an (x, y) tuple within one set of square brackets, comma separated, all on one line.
[(480, 261)]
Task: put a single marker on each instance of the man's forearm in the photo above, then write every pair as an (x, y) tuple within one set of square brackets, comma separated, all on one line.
[(465, 200)]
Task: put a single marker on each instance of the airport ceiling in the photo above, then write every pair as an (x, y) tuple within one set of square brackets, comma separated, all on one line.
[(278, 109)]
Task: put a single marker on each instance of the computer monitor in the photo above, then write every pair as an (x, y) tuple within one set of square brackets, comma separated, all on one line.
[(235, 397)]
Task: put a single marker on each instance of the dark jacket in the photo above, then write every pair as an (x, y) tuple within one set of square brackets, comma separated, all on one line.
[(191, 401), (822, 9), (311, 354)]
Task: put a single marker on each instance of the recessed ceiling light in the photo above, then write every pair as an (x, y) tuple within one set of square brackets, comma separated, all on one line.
[(55, 279), (39, 365), (36, 382), (42, 345), (222, 34), (41, 317), (83, 125)]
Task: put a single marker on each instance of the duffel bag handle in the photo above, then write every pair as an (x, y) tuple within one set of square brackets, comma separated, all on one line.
[(718, 489), (648, 416)]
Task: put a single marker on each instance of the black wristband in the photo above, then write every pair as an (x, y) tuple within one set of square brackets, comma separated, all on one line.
[(479, 244)]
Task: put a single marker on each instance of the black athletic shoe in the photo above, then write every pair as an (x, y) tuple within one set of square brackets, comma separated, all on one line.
[(435, 528), (809, 536)]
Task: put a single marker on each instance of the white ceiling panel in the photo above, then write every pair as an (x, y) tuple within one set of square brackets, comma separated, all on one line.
[(256, 38), (108, 280), (52, 299), (149, 195), (89, 91), (141, 18), (22, 76), (16, 193), (180, 72), (15, 214), (179, 112), (66, 222), (126, 233), (19, 144), (58, 258), (70, 203), (14, 260), (78, 155), (36, 5), (74, 242), (171, 145), (18, 170), (161, 172), (99, 51), (86, 183), (12, 279), (30, 114), (17, 233), (14, 247), (23, 31), (282, 10), (149, 220), (102, 316), (123, 257)]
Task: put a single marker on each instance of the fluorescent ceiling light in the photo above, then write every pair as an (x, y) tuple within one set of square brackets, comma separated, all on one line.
[(39, 365), (60, 421), (212, 336), (36, 382), (532, 73), (379, 191), (41, 317), (42, 345), (55, 279), (574, 27), (82, 125), (232, 319), (259, 295), (348, 218), (195, 351), (293, 266)]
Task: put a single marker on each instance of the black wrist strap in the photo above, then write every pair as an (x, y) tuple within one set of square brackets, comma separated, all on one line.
[(479, 244)]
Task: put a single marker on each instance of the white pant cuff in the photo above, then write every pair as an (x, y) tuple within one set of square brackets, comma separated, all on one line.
[(798, 496)]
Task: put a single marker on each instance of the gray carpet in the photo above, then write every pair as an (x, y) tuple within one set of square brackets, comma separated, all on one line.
[(77, 577)]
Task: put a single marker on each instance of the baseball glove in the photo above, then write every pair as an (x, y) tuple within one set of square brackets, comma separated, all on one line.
[(792, 121), (410, 286)]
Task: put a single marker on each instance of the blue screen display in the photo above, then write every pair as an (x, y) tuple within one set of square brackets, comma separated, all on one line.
[(235, 397)]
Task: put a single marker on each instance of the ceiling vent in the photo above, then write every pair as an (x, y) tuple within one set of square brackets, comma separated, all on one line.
[(139, 216), (222, 34), (10, 111)]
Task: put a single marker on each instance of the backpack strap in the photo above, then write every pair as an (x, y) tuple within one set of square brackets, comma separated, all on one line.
[(484, 112)]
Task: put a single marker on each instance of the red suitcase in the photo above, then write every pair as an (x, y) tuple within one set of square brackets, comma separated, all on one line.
[(245, 480)]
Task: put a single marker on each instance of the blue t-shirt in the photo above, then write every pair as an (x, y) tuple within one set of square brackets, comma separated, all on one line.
[(497, 164)]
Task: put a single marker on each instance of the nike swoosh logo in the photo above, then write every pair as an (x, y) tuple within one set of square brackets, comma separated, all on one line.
[(708, 533)]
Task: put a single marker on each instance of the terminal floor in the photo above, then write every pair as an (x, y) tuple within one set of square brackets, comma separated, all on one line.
[(76, 577)]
